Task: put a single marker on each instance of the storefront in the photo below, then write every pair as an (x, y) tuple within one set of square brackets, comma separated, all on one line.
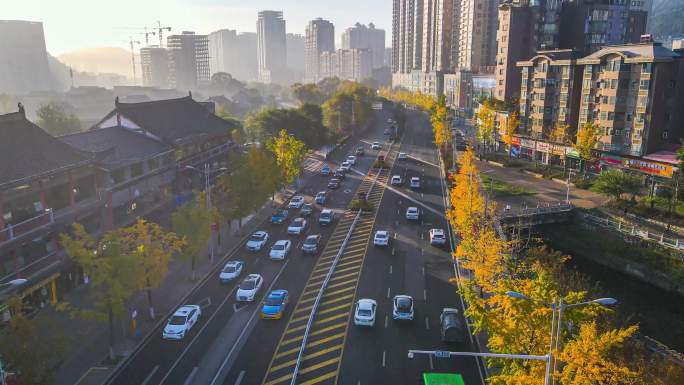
[(644, 166)]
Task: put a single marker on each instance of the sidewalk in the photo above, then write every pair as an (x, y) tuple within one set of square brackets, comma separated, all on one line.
[(86, 363)]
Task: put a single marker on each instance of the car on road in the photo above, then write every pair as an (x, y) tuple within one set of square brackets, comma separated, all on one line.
[(396, 180), (181, 322), (307, 209), (257, 241), (376, 146), (412, 213), (364, 313), (231, 270), (339, 174), (326, 217), (296, 202), (298, 226), (311, 244), (386, 131), (334, 184), (402, 156), (381, 238), (415, 182), (345, 166), (437, 237), (402, 307), (321, 197), (278, 217), (274, 305), (451, 326), (326, 170), (351, 159), (249, 287), (359, 151), (280, 249)]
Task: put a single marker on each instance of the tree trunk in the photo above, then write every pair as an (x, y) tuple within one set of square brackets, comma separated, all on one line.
[(149, 300)]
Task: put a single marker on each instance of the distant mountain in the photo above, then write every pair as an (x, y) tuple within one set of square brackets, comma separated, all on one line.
[(667, 18), (101, 60)]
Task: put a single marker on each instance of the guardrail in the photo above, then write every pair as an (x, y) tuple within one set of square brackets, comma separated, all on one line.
[(539, 210), (13, 231)]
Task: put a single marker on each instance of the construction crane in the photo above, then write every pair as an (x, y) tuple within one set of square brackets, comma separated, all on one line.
[(147, 36), (160, 31), (132, 43)]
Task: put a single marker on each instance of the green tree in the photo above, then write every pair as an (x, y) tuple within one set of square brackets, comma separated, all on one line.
[(153, 247), (348, 107), (192, 223), (305, 123), (34, 355), (308, 93), (328, 86), (289, 154), (54, 120), (115, 274), (615, 183)]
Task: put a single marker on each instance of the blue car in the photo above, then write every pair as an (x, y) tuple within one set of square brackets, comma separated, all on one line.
[(274, 305), (279, 217), (321, 197)]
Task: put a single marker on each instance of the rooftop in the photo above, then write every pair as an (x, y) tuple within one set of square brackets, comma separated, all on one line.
[(633, 53)]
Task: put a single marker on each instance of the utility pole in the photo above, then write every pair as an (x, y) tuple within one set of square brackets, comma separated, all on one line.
[(160, 31), (207, 189), (132, 43)]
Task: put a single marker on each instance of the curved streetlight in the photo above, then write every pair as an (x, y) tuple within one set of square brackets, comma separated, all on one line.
[(14, 282)]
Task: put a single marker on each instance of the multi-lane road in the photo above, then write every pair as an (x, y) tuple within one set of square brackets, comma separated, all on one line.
[(231, 345)]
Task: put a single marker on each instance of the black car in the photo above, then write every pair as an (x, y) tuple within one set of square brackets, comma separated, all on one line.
[(359, 151), (334, 184), (339, 174)]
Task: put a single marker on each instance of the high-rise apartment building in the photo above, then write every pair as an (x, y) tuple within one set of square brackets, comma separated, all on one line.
[(320, 38), (271, 46), (458, 90), (438, 25), (477, 35), (155, 66), (295, 48), (347, 64), (188, 60), (366, 37), (222, 50), (24, 57), (407, 36)]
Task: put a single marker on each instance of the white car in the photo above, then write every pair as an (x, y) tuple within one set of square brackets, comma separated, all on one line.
[(402, 156), (396, 180), (381, 238), (351, 159), (249, 287), (402, 307), (376, 146), (231, 270), (181, 322), (280, 249), (364, 314), (437, 237), (415, 182), (345, 166), (296, 202), (412, 213), (298, 226), (257, 241)]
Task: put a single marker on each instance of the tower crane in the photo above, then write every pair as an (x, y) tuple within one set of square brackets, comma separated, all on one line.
[(132, 43), (147, 36), (160, 31)]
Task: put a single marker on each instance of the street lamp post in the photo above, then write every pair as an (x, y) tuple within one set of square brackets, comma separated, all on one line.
[(558, 307), (207, 190)]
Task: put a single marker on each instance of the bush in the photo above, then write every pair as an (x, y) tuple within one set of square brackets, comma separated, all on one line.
[(582, 182), (361, 204)]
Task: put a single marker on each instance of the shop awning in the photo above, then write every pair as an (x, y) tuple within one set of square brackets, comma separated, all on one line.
[(573, 154)]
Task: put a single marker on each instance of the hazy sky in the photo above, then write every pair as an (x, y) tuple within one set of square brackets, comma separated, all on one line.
[(74, 24)]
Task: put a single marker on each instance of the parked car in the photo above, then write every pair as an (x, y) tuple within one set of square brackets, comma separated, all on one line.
[(279, 217), (326, 217), (364, 313), (311, 244), (296, 202), (306, 210), (437, 237), (274, 305), (298, 226), (402, 307), (334, 184), (181, 322), (321, 197), (412, 213), (381, 238), (231, 270), (451, 326), (396, 180), (257, 241), (326, 170), (415, 182), (280, 249), (249, 287), (376, 146)]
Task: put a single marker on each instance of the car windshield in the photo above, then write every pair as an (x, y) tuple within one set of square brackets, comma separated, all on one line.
[(248, 285), (279, 246), (229, 269), (298, 223), (381, 235), (404, 304), (364, 313), (272, 301), (325, 215), (311, 241), (437, 235), (257, 237), (177, 320)]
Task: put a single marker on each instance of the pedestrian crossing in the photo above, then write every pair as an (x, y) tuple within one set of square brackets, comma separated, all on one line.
[(322, 354)]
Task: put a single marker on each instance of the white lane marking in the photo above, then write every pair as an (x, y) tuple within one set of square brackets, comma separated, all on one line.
[(424, 295), (149, 376), (384, 358), (422, 196), (432, 366), (393, 251), (238, 306), (242, 375), (386, 320), (191, 377), (422, 236), (237, 342), (398, 212), (390, 271), (388, 292), (427, 324), (395, 235), (205, 303), (423, 268), (422, 253)]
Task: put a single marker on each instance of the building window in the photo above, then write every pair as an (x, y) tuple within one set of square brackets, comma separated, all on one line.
[(646, 67), (153, 163), (136, 170), (644, 84)]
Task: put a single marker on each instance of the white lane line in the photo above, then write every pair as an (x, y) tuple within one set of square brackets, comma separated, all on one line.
[(393, 251), (398, 212), (427, 323), (191, 377), (386, 320), (422, 196), (388, 292), (237, 342), (242, 375), (384, 358), (422, 253), (432, 365), (149, 376), (423, 268), (422, 236), (390, 269), (424, 295)]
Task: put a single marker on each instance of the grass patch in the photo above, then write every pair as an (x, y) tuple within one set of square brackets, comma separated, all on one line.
[(501, 188), (659, 211)]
